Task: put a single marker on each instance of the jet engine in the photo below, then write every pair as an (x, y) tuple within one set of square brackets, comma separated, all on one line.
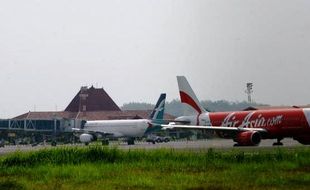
[(248, 138), (86, 138)]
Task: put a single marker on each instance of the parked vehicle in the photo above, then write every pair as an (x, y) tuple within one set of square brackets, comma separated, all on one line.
[(157, 139)]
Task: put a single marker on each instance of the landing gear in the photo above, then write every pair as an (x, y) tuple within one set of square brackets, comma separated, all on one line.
[(278, 143), (131, 141), (105, 142)]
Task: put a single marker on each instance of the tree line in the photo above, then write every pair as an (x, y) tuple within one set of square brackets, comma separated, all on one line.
[(176, 108)]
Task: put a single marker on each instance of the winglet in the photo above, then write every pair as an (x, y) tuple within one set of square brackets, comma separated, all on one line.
[(188, 96)]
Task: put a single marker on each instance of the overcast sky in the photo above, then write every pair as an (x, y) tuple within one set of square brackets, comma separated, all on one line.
[(135, 49)]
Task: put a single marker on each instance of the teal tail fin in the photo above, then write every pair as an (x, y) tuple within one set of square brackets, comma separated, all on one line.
[(157, 114)]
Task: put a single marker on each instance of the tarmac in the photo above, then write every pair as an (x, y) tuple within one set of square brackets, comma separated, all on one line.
[(198, 145)]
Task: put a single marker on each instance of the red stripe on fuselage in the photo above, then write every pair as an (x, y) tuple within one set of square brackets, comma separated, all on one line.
[(185, 98)]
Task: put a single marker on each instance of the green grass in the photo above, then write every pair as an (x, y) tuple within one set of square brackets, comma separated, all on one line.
[(110, 168)]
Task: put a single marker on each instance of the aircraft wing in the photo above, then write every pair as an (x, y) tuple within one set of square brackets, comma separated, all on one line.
[(77, 130), (215, 128), (167, 121)]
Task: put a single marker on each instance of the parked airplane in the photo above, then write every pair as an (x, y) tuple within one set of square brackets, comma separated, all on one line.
[(246, 128), (129, 129)]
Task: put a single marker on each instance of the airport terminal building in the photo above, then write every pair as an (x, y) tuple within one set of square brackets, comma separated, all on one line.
[(88, 104)]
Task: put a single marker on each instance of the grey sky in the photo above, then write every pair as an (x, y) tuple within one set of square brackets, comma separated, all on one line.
[(134, 49)]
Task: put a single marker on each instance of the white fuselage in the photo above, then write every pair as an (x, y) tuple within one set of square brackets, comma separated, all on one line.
[(119, 128), (201, 119)]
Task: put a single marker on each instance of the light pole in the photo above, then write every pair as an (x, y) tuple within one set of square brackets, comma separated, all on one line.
[(54, 133), (249, 91)]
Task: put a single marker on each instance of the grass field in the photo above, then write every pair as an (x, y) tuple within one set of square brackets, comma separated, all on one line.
[(110, 168)]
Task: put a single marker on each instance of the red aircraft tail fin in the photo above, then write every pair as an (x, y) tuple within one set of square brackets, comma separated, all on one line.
[(188, 96)]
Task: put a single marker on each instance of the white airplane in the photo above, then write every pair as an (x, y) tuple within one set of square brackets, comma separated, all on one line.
[(129, 129)]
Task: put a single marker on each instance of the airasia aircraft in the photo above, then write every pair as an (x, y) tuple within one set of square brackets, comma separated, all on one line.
[(246, 128)]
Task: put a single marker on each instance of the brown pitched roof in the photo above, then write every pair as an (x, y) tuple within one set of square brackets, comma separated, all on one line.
[(92, 99), (46, 115), (91, 104), (94, 115)]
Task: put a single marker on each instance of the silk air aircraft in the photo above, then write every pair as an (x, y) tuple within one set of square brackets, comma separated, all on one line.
[(246, 128), (129, 129)]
